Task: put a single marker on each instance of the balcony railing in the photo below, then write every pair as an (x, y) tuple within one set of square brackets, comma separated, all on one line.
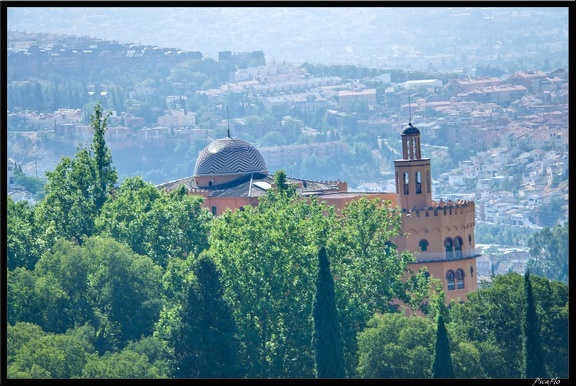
[(445, 256)]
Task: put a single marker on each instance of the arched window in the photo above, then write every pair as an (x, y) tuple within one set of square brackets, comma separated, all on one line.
[(460, 278), (427, 275), (423, 245), (458, 246), (406, 181), (427, 181), (448, 247), (397, 184), (450, 279), (469, 240), (418, 183), (471, 271)]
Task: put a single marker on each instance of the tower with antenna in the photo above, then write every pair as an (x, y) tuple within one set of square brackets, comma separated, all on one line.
[(440, 233)]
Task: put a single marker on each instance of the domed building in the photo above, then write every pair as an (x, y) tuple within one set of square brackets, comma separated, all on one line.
[(228, 159), (231, 173)]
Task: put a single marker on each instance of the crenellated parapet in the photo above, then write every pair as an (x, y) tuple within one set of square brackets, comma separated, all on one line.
[(442, 208), (448, 219)]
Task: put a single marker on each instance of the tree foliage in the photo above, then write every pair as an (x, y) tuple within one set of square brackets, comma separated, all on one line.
[(267, 255), (34, 353), (532, 350), (78, 187), (106, 175), (327, 339), (156, 223), (396, 346), (549, 249), (491, 319), (101, 283), (205, 343), (442, 362), (23, 241), (125, 364)]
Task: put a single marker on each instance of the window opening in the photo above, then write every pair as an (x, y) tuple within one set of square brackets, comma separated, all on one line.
[(423, 245), (458, 246), (448, 246), (406, 181), (418, 183), (450, 279), (460, 279)]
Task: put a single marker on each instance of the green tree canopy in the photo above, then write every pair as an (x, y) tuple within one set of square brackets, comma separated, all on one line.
[(23, 235), (396, 346), (125, 364), (101, 283), (267, 256), (549, 251), (156, 223), (491, 319), (34, 353)]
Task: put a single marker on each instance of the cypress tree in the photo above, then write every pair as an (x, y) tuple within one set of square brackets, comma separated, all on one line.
[(532, 350), (206, 344), (327, 338), (442, 365)]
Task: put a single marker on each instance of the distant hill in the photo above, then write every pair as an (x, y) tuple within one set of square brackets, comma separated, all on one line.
[(372, 36)]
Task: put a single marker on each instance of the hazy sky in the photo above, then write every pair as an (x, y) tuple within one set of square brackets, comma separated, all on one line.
[(297, 34)]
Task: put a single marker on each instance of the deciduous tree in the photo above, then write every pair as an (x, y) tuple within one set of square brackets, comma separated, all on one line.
[(156, 223), (491, 319), (78, 187), (396, 346), (23, 242), (549, 250)]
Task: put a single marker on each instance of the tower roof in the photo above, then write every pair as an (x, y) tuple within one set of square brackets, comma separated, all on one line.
[(410, 130), (229, 156)]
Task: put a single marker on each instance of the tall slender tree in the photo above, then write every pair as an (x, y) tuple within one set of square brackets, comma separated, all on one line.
[(532, 350), (327, 338), (206, 345), (442, 364), (78, 187), (106, 175)]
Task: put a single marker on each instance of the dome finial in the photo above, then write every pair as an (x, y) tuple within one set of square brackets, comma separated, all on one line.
[(228, 116)]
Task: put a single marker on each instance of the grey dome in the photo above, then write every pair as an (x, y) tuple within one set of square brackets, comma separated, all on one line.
[(229, 156), (410, 130)]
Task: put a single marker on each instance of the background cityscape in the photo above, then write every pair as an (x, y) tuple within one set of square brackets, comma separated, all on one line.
[(110, 274), (487, 87)]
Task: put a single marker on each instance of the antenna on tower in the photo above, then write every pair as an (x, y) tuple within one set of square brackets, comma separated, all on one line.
[(409, 112), (228, 115)]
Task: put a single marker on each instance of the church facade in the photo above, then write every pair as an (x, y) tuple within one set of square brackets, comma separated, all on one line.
[(231, 173)]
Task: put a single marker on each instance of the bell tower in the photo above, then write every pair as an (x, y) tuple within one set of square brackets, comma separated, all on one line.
[(413, 175)]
